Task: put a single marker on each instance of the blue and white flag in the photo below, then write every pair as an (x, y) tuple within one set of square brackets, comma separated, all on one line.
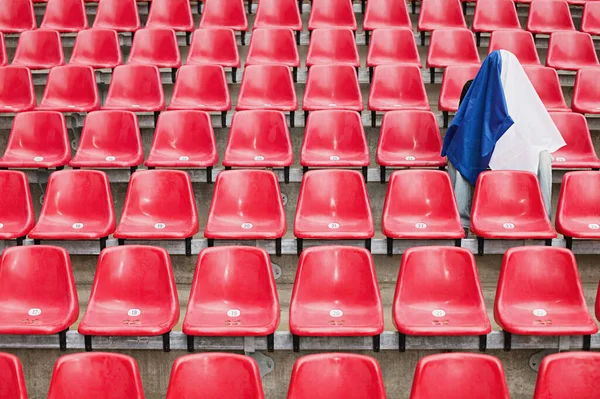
[(501, 123)]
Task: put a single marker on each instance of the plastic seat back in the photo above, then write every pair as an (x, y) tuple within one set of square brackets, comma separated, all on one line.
[(65, 16), (332, 46), (96, 376), (549, 16), (437, 14), (171, 14), (71, 88), (207, 374), (547, 86), (586, 92), (16, 16), (273, 46), (393, 46), (16, 89), (3, 55), (155, 46), (397, 87), (331, 14), (492, 15), (518, 42), (201, 87), (386, 14), (590, 20), (224, 14), (98, 48), (568, 375), (332, 86), (216, 46), (571, 51), (13, 380), (463, 375), (16, 207), (451, 47), (579, 151), (39, 49), (336, 376), (267, 87), (578, 208), (120, 15), (455, 77), (136, 88), (278, 14)]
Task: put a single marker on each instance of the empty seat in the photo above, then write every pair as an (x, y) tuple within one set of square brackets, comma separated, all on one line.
[(37, 292), (578, 210), (539, 293), (453, 81), (136, 88), (225, 14), (571, 51), (71, 88), (493, 15), (549, 16), (568, 375), (206, 375), (233, 294), (278, 14), (96, 376), (332, 46), (274, 46), (109, 139), (13, 380), (16, 208), (386, 14), (16, 89), (392, 46), (332, 87), (451, 47), (547, 86), (155, 46), (579, 153), (438, 14), (590, 20), (216, 46), (333, 204), (39, 49), (336, 376), (586, 93), (420, 204), (65, 16), (351, 304), (98, 48), (331, 14), (518, 42), (171, 14), (462, 375), (37, 139), (16, 16), (120, 15), (159, 204), (78, 206)]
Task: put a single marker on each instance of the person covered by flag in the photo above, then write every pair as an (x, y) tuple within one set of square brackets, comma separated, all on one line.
[(501, 124)]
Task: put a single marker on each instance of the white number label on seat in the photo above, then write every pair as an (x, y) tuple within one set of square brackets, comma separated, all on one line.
[(38, 159), (160, 226), (336, 313), (421, 226), (333, 225), (110, 158), (259, 158), (77, 226), (334, 158), (184, 158), (234, 313), (34, 312), (409, 158), (247, 226), (561, 159), (508, 226), (438, 313), (594, 226), (134, 312), (539, 312)]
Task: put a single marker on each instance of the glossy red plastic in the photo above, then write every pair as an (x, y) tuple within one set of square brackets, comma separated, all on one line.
[(420, 204), (155, 46), (579, 153), (201, 87), (336, 376), (16, 16), (160, 204), (278, 14), (331, 14), (334, 138), (171, 14), (133, 293), (258, 138), (397, 87), (229, 14), (578, 209), (38, 49), (215, 375), (455, 77), (267, 87), (571, 51), (13, 380), (233, 294), (393, 46), (65, 16), (438, 14), (71, 88), (215, 46), (386, 14), (332, 87), (333, 204), (120, 15), (590, 20), (98, 48), (586, 93), (549, 16), (183, 139), (351, 303), (136, 88), (492, 15), (332, 46), (16, 90), (459, 375), (568, 375), (37, 291), (518, 42), (547, 86), (96, 376), (273, 46), (438, 293), (16, 208), (109, 139), (452, 47)]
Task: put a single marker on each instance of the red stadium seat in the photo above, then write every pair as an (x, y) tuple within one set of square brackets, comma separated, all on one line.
[(438, 294), (37, 292), (579, 153), (206, 374), (16, 90), (546, 84), (333, 204), (259, 139), (385, 14), (274, 46), (268, 87), (159, 204), (586, 94), (225, 14), (37, 140), (493, 15), (13, 380), (509, 205), (335, 139), (462, 375), (568, 375), (350, 306), (71, 88), (16, 207), (120, 15), (549, 16), (451, 47), (439, 14), (233, 294), (171, 14), (98, 48), (518, 42), (539, 293), (96, 376), (453, 81), (38, 49), (109, 139), (571, 51), (278, 14), (136, 88), (420, 205), (65, 16), (397, 87), (409, 139), (336, 376), (215, 46), (78, 206), (3, 55), (590, 20), (392, 46), (133, 294), (184, 139), (332, 46), (156, 46), (331, 14), (16, 16)]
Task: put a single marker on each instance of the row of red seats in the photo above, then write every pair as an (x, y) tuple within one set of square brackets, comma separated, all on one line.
[(319, 376), (234, 294)]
